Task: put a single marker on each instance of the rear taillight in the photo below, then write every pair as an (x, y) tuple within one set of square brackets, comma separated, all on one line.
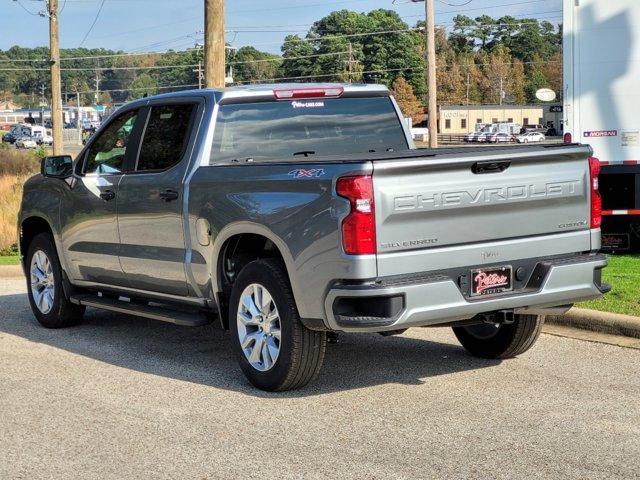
[(567, 138), (596, 199), (359, 227)]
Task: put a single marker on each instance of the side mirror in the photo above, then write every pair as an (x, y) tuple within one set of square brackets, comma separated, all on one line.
[(60, 166)]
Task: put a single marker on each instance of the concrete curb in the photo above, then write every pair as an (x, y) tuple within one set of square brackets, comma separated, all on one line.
[(11, 271), (603, 322)]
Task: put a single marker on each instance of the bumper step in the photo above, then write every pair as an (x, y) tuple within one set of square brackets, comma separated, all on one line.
[(154, 312)]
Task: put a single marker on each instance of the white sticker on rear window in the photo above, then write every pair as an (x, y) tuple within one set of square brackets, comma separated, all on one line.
[(630, 138), (296, 104)]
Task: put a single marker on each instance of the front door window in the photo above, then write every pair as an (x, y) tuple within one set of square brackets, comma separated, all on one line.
[(107, 151)]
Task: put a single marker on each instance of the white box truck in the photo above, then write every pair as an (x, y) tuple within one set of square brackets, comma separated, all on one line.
[(601, 48)]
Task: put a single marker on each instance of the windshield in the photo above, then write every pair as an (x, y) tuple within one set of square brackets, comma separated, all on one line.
[(272, 131)]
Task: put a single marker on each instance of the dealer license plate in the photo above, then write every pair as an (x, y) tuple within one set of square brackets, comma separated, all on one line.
[(490, 281)]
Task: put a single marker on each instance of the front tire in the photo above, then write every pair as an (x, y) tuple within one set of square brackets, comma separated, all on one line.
[(276, 352), (48, 301), (502, 341)]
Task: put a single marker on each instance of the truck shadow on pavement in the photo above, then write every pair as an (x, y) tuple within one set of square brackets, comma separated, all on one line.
[(203, 355)]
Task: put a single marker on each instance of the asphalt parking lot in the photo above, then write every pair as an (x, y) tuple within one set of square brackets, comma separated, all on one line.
[(123, 397)]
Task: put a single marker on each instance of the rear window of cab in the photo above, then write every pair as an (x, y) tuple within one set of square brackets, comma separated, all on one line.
[(306, 128)]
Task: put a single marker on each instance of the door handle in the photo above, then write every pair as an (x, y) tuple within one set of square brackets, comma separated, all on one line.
[(108, 195), (169, 195)]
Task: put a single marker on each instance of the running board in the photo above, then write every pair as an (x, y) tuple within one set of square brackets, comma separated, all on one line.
[(162, 313)]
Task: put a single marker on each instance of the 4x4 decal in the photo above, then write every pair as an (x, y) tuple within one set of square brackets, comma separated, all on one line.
[(306, 173)]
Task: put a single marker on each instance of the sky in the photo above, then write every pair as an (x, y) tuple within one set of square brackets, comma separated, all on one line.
[(158, 25)]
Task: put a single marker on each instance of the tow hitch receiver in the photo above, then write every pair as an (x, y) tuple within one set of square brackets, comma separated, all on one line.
[(499, 317)]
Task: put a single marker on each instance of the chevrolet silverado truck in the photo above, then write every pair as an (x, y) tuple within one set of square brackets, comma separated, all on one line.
[(289, 212)]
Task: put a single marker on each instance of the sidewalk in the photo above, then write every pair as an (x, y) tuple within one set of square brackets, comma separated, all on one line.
[(596, 321), (11, 271)]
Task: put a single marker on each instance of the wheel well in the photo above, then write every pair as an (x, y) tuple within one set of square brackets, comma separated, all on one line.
[(237, 252), (31, 227)]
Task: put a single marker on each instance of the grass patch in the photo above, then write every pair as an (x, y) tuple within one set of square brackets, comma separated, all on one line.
[(623, 274), (12, 260), (15, 168)]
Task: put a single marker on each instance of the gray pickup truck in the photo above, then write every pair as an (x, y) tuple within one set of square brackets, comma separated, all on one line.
[(288, 212)]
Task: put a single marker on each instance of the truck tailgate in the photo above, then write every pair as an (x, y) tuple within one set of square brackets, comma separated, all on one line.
[(478, 197)]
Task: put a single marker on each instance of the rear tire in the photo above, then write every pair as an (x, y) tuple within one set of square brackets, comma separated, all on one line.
[(276, 352), (502, 341), (48, 301)]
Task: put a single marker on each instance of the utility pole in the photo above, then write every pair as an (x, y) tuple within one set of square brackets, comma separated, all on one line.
[(43, 103), (97, 94), (79, 118), (432, 106), (501, 91), (468, 87), (350, 63), (214, 48), (198, 72), (56, 96)]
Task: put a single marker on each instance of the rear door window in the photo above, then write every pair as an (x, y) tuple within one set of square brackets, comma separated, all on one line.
[(165, 137), (272, 131)]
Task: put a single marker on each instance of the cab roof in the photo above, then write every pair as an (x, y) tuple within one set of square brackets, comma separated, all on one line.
[(265, 91)]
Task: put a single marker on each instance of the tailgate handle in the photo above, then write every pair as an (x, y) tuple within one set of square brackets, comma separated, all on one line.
[(489, 167)]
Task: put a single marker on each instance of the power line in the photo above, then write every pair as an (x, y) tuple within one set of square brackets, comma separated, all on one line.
[(158, 67), (93, 24), (275, 59), (455, 4), (36, 14), (141, 88), (127, 32)]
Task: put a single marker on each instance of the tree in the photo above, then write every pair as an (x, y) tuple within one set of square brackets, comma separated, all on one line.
[(411, 107), (536, 82), (142, 85), (497, 70), (461, 39), (297, 59), (552, 71), (251, 65), (517, 82)]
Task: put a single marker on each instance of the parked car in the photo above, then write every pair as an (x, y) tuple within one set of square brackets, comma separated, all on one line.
[(483, 137), (531, 137), (26, 142), (471, 137), (258, 212), (501, 137), (8, 137), (45, 139), (530, 128), (15, 132)]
